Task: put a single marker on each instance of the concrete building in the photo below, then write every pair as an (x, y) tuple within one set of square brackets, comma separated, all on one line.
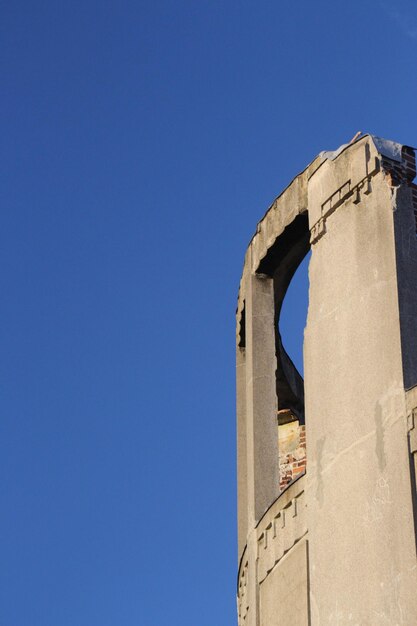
[(334, 544)]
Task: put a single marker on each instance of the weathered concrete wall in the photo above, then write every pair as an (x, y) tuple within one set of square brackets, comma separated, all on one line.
[(285, 587), (360, 515), (256, 341), (406, 259), (358, 565), (273, 572)]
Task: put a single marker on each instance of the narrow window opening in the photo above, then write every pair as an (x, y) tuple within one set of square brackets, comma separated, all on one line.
[(291, 422)]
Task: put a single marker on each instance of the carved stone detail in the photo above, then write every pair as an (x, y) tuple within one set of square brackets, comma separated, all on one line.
[(346, 191), (281, 528), (412, 443), (412, 430), (242, 595)]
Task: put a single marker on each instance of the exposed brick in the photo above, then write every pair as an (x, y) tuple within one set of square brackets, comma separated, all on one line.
[(293, 461)]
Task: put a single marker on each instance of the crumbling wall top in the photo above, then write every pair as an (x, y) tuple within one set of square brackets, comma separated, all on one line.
[(294, 199)]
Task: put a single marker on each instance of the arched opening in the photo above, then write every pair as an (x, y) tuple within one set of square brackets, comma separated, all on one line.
[(291, 419), (287, 263)]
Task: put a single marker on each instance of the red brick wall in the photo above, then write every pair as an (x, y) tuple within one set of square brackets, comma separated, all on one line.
[(292, 464)]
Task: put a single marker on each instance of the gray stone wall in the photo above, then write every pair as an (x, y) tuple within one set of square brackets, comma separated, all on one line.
[(338, 545)]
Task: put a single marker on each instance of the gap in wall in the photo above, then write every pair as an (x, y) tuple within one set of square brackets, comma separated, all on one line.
[(293, 314)]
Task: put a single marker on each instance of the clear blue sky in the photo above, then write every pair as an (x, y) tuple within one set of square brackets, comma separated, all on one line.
[(141, 142)]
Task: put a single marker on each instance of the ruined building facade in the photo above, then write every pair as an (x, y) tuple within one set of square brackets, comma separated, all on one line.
[(326, 466)]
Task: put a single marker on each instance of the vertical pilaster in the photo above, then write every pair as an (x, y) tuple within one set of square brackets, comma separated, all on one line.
[(406, 260), (242, 452), (261, 400)]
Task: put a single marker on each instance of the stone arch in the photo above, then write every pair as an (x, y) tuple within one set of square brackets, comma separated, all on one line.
[(281, 263), (267, 380)]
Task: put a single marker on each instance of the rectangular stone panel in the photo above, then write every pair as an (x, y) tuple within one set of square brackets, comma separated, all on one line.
[(284, 592)]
